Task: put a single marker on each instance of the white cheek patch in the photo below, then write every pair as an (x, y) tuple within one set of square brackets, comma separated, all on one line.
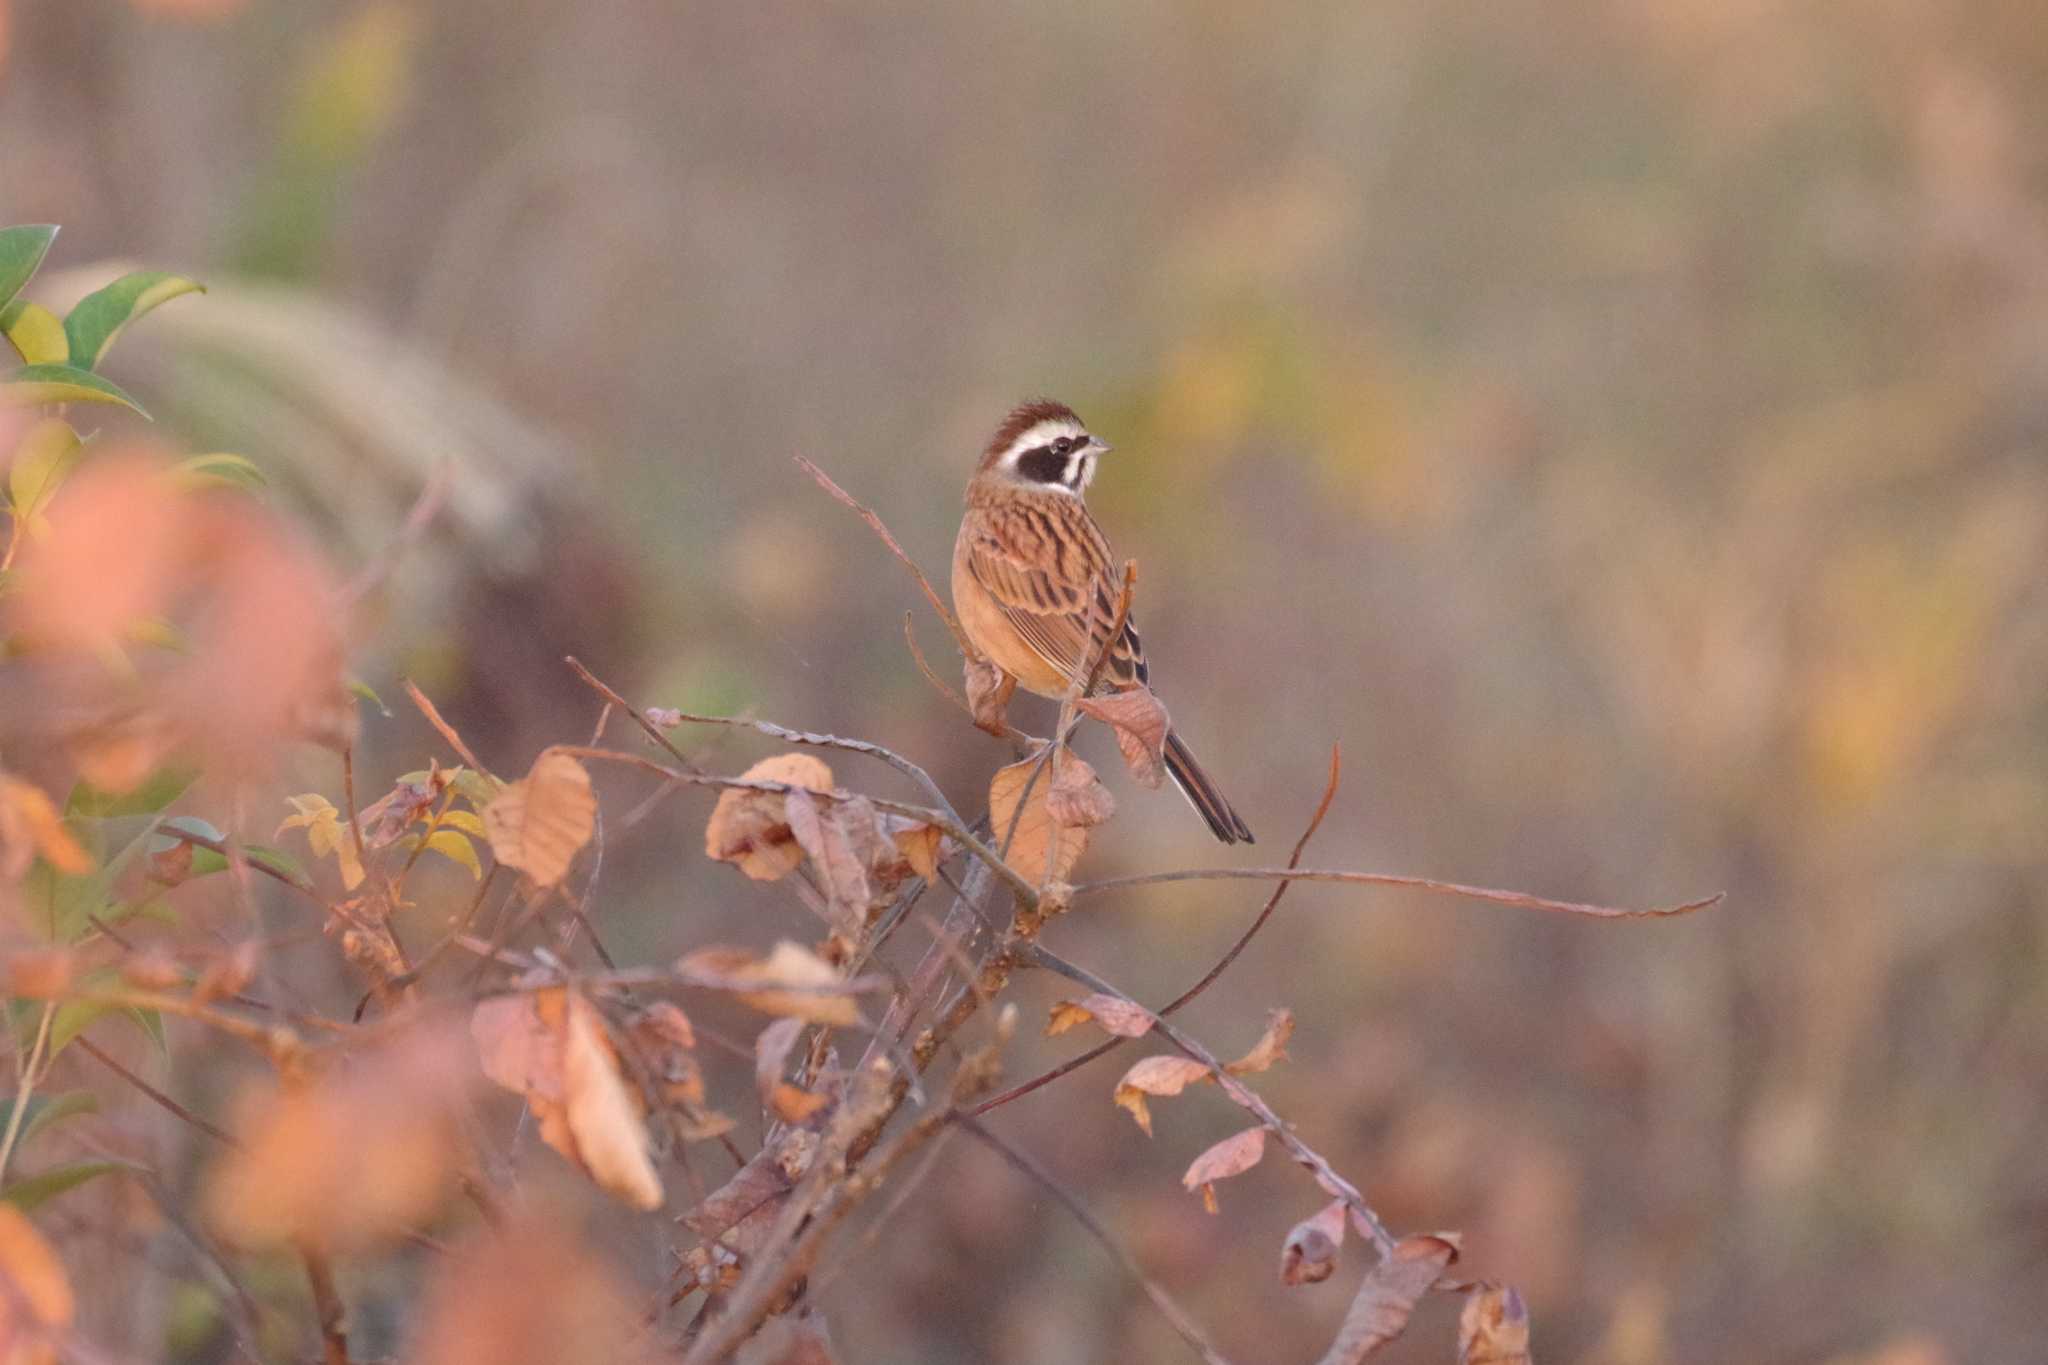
[(1080, 470)]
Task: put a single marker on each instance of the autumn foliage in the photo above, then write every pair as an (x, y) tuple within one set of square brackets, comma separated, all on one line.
[(187, 651)]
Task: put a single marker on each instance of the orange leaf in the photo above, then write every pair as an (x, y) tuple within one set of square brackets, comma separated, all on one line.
[(919, 846), (1164, 1075), (788, 965), (1141, 724), (35, 1294), (539, 823), (1041, 849), (30, 825), (1494, 1328), (1271, 1047), (1233, 1156), (1114, 1014), (751, 828), (605, 1115), (988, 695)]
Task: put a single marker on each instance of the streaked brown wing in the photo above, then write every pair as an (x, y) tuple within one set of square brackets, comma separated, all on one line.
[(1054, 581)]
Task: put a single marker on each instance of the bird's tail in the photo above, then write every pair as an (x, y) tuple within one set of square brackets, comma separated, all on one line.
[(1201, 793)]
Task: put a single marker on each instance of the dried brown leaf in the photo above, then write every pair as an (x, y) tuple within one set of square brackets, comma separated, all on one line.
[(539, 823), (918, 844), (1493, 1329), (550, 1046), (847, 849), (787, 965), (1113, 1013), (1141, 725), (1388, 1295), (739, 1212), (36, 1303), (1077, 796), (1234, 1155), (1310, 1252), (751, 828), (1271, 1047), (1041, 849), (988, 695), (771, 1052), (604, 1113), (1163, 1075)]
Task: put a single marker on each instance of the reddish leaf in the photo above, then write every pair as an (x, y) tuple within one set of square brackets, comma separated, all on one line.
[(1077, 796), (1233, 1156), (1141, 724), (988, 695)]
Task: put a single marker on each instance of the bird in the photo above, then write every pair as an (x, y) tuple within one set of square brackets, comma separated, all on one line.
[(1036, 589)]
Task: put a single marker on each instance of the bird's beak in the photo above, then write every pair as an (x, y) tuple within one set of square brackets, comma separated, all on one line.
[(1098, 446)]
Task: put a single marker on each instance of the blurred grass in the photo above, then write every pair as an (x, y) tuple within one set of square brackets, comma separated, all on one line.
[(1621, 427)]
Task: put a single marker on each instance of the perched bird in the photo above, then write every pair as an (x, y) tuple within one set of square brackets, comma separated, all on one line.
[(1035, 586)]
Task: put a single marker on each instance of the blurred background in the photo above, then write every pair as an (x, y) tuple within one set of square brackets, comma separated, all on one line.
[(1621, 426)]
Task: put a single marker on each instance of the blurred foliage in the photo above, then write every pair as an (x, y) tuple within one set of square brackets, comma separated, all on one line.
[(1622, 427)]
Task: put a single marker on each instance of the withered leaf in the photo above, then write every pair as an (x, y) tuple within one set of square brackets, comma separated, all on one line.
[(1140, 722), (349, 1159), (37, 1304), (605, 1114), (326, 834), (1234, 1155), (918, 844), (1041, 849), (31, 825), (1077, 796), (988, 695), (1163, 1075), (1310, 1252), (550, 1046), (1271, 1047), (739, 1212), (1493, 1329), (539, 823), (771, 1052), (1387, 1296), (787, 965), (1114, 1014), (751, 828), (844, 842)]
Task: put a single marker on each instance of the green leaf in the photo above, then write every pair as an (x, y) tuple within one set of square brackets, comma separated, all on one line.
[(218, 470), (99, 317), (21, 251), (158, 790), (42, 461), (37, 1189), (44, 1110), (364, 692), (456, 846), (33, 384), (36, 332)]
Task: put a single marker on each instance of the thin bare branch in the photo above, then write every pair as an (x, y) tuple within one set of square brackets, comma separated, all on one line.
[(1173, 1313), (874, 522), (446, 730), (1477, 893)]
